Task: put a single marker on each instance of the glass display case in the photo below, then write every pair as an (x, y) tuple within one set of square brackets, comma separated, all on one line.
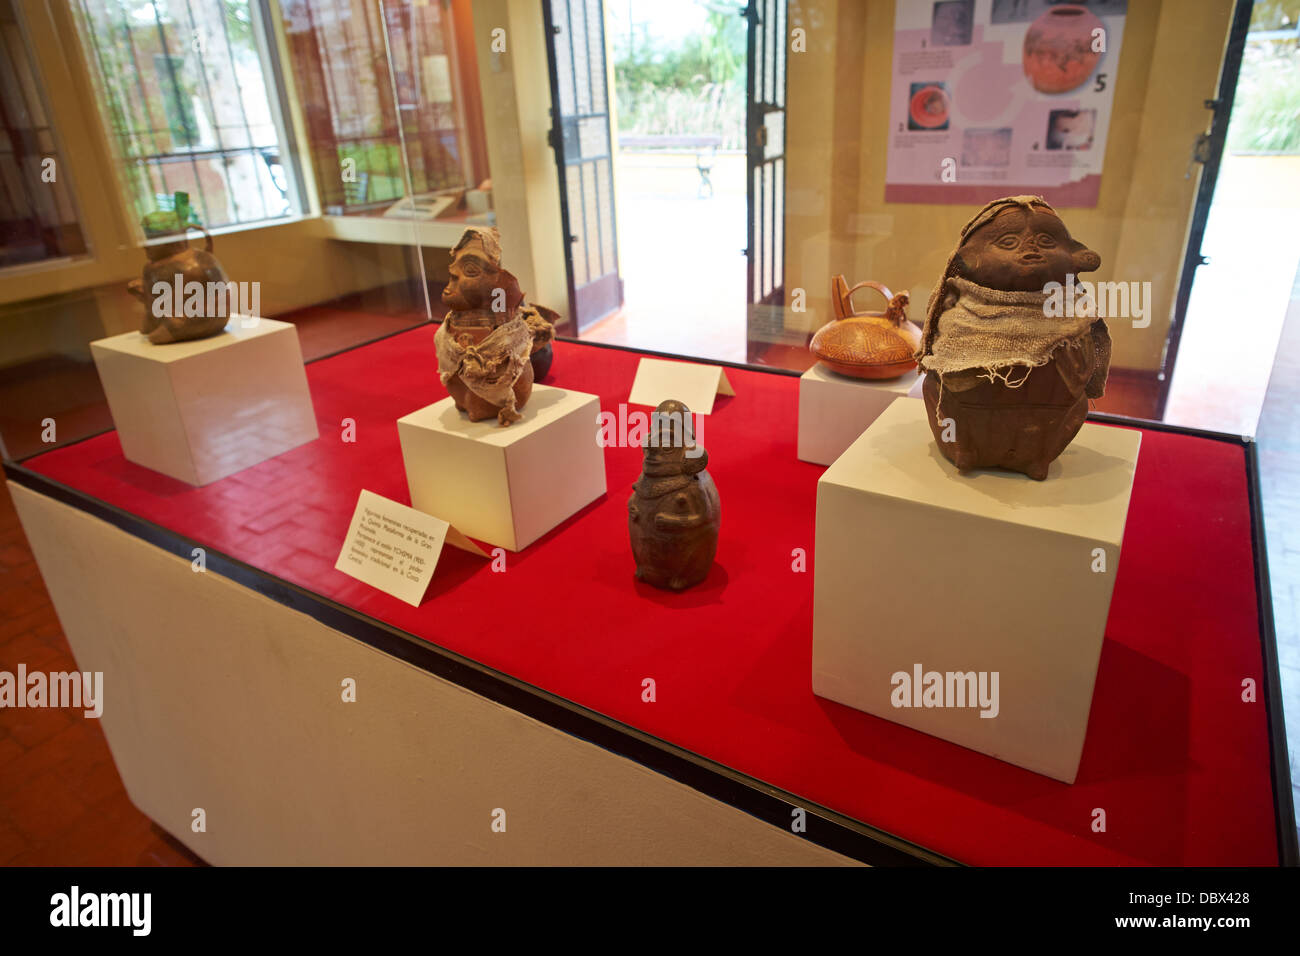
[(706, 183)]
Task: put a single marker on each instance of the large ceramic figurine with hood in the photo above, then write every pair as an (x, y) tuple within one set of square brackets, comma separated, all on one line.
[(1008, 376)]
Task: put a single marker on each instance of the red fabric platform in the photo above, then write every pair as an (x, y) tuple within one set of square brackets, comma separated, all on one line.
[(1178, 762)]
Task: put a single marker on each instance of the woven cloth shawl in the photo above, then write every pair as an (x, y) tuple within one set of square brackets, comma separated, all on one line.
[(991, 333), (490, 368)]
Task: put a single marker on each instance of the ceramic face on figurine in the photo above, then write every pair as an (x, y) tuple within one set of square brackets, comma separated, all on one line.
[(1009, 372), (484, 343), (674, 513), (872, 345), (186, 293)]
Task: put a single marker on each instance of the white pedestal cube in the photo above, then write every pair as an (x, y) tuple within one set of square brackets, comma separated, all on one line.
[(835, 409), (507, 485), (201, 410), (987, 582)]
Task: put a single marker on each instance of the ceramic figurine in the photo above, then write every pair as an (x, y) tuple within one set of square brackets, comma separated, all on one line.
[(867, 344), (1009, 366), (541, 322), (176, 264), (485, 342), (673, 515)]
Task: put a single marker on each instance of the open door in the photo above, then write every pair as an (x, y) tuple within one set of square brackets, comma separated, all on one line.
[(1208, 151), (580, 136), (765, 150)]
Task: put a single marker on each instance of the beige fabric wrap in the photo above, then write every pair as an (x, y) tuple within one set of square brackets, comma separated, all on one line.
[(491, 368), (972, 331)]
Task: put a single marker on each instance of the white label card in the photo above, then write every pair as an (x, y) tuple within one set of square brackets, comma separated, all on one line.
[(695, 385), (395, 548)]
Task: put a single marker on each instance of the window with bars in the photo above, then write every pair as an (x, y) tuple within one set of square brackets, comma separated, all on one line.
[(38, 218), (189, 92), (342, 52)]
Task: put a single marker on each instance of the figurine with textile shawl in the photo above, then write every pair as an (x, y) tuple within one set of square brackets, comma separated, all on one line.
[(1008, 379), (487, 341)]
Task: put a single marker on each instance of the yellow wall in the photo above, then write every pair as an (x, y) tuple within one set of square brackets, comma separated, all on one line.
[(516, 116), (838, 119), (46, 309)]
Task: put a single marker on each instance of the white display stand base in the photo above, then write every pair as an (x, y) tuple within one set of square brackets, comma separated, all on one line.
[(402, 778), (508, 485), (835, 409), (920, 569), (199, 411)]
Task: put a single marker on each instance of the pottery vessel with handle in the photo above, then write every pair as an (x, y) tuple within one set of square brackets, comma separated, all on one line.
[(871, 345)]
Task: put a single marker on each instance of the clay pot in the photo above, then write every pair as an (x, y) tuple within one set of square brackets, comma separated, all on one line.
[(543, 355), (1058, 54), (674, 514), (541, 360), (872, 345), (177, 260)]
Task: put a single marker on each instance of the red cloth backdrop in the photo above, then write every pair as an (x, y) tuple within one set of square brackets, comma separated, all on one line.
[(1177, 760)]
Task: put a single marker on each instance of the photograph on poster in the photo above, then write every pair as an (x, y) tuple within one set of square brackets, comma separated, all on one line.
[(1071, 129), (1025, 102), (952, 22)]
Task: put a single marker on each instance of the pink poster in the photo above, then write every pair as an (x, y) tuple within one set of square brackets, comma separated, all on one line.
[(1001, 97)]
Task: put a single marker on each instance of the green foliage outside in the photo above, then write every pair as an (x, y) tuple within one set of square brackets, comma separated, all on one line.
[(1274, 15), (136, 90), (379, 166), (172, 216), (696, 88), (1266, 111)]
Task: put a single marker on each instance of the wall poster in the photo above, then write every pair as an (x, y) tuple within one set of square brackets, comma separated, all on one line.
[(1001, 97)]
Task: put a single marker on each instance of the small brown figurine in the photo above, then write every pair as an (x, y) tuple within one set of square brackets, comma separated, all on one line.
[(541, 322), (871, 345), (485, 341), (1007, 379), (674, 514), (177, 266)]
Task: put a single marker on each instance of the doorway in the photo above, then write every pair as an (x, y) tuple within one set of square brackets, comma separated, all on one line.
[(1248, 261), (692, 100)]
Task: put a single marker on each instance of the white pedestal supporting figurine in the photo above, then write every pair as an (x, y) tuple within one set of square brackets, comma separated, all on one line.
[(507, 485), (971, 607), (835, 409), (200, 410)]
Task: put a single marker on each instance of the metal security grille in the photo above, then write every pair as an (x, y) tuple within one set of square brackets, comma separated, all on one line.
[(338, 52), (580, 136), (185, 88), (38, 218), (765, 150)]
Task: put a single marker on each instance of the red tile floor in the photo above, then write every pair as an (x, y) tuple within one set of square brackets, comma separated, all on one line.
[(61, 800)]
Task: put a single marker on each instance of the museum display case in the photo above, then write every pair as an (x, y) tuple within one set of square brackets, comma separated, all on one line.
[(359, 359)]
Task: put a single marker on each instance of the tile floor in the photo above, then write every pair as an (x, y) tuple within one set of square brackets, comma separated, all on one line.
[(61, 799)]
